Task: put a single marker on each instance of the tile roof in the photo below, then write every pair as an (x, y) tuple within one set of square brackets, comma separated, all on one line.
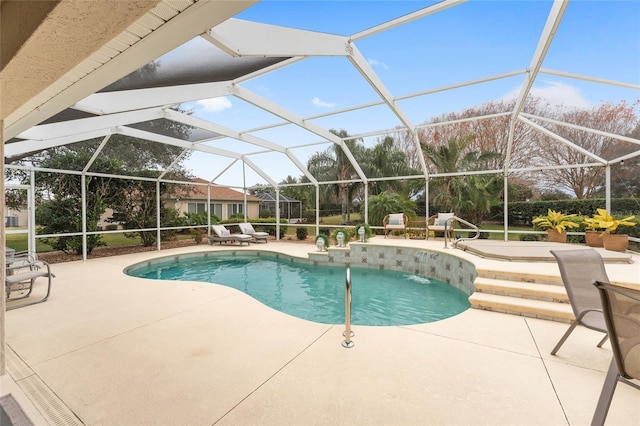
[(199, 192)]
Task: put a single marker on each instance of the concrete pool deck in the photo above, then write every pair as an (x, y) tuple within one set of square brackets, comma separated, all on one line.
[(115, 350)]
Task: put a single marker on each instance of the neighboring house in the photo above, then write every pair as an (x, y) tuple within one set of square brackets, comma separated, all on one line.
[(290, 208), (16, 217), (225, 202)]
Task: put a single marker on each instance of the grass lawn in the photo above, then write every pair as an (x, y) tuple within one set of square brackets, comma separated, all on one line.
[(335, 220), (500, 235), (18, 242)]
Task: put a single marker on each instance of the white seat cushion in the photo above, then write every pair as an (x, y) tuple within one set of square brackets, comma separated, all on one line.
[(442, 219), (396, 220)]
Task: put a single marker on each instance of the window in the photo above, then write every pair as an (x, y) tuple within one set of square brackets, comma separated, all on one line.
[(196, 208), (234, 208), (217, 210)]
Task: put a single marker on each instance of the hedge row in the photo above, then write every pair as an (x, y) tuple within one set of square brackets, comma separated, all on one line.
[(521, 213)]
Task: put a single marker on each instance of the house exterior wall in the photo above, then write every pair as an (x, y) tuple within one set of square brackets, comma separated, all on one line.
[(183, 207), (16, 218)]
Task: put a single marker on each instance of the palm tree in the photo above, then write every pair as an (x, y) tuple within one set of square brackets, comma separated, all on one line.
[(385, 160), (386, 203), (469, 195), (474, 195), (333, 164)]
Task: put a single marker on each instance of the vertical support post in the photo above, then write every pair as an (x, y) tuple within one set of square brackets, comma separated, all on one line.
[(158, 221), (348, 334), (506, 208), (244, 192), (3, 258), (317, 209), (607, 173), (277, 213), (366, 203), (208, 209), (31, 208), (83, 192), (426, 198)]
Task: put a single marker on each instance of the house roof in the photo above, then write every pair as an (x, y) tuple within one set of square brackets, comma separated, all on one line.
[(199, 192)]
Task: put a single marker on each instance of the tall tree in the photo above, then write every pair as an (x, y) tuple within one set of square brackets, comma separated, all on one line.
[(469, 195), (62, 213), (136, 207), (301, 193), (491, 134), (385, 159), (584, 182), (625, 179), (387, 203), (333, 164)]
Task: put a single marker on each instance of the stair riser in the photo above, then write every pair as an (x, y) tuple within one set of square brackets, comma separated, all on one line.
[(524, 295), (519, 277), (514, 310)]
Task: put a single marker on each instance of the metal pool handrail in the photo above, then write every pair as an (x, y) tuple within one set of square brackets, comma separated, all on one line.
[(348, 334), (455, 242)]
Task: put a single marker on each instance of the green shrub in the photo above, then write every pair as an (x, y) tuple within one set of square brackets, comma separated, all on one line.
[(301, 233), (198, 234), (521, 212), (529, 237)]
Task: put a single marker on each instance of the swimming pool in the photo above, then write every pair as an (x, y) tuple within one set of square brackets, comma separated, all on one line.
[(316, 293)]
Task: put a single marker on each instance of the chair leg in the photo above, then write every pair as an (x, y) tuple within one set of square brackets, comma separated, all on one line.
[(606, 395), (565, 336), (604, 339), (50, 276)]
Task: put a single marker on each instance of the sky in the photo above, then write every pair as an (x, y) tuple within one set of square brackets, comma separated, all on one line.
[(470, 41)]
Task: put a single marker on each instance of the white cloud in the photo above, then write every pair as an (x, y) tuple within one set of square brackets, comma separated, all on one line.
[(214, 104), (375, 63), (322, 104), (556, 94)]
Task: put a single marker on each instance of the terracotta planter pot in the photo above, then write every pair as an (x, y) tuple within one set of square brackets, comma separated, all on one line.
[(593, 238), (554, 236), (615, 242)]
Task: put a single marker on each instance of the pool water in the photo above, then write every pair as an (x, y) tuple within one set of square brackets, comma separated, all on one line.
[(316, 293)]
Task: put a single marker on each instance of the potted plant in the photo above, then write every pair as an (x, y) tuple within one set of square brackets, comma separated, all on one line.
[(322, 242), (341, 240), (556, 224), (611, 240), (592, 234), (366, 232)]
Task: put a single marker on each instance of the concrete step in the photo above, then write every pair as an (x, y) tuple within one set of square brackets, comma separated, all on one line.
[(530, 295), (520, 277), (553, 311), (528, 290)]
